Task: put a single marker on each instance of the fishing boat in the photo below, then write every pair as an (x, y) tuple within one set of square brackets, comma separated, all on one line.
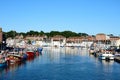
[(14, 57), (30, 53)]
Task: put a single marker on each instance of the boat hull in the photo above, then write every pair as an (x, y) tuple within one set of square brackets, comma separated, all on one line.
[(30, 54), (14, 59), (3, 64), (106, 57), (40, 50)]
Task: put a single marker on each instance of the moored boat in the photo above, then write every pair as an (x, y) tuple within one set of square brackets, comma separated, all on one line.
[(30, 54), (39, 50), (3, 61), (13, 57), (24, 57), (106, 56)]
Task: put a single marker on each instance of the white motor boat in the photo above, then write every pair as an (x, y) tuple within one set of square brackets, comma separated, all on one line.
[(106, 56)]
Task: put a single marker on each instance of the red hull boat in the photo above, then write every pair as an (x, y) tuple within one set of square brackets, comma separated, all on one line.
[(30, 54)]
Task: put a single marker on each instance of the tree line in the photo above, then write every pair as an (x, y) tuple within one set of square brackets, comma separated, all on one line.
[(66, 34)]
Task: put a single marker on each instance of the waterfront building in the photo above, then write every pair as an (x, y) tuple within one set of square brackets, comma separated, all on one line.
[(58, 41), (74, 41), (80, 41), (114, 40), (87, 41), (10, 42), (101, 37), (117, 43), (90, 38), (34, 37)]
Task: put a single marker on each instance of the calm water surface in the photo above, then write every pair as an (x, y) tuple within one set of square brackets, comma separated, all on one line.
[(63, 64)]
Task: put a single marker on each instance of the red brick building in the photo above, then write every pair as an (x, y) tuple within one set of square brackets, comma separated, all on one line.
[(100, 37), (1, 35)]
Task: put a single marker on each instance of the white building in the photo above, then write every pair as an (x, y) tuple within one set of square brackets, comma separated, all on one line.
[(58, 41), (117, 43)]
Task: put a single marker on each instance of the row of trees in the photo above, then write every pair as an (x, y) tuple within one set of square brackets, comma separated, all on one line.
[(48, 34)]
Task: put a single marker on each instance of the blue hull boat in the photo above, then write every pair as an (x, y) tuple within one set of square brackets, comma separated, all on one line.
[(40, 50), (24, 57), (3, 64)]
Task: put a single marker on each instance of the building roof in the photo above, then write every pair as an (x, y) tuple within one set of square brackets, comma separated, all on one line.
[(58, 36), (100, 34)]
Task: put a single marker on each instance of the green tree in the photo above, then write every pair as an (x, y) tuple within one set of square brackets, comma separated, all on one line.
[(82, 34), (53, 33), (41, 33), (69, 34), (11, 34), (23, 34), (29, 42), (48, 34)]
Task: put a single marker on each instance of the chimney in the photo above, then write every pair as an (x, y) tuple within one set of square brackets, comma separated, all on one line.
[(1, 35)]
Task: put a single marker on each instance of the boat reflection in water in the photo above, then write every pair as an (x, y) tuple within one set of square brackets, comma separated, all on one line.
[(14, 66), (107, 62)]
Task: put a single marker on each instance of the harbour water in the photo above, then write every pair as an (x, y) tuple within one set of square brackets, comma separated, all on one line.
[(63, 64)]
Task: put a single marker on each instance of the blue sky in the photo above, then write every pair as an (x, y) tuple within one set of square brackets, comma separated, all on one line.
[(89, 16)]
